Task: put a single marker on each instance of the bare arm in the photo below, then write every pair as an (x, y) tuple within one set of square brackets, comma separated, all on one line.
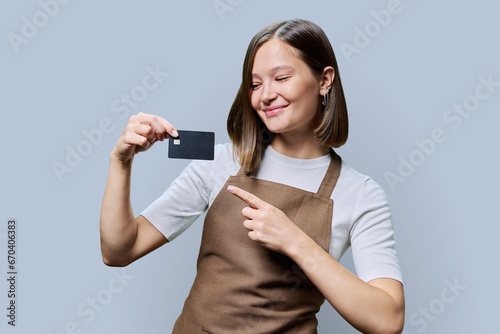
[(125, 238), (374, 307)]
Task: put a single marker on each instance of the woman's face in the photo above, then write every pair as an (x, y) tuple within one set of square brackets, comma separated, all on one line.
[(284, 92)]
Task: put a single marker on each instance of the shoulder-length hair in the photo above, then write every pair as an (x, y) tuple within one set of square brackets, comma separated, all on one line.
[(246, 130)]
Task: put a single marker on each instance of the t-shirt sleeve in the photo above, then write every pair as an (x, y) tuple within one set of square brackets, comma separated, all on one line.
[(372, 236), (183, 202)]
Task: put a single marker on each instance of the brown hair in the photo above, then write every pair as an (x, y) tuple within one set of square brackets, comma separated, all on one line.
[(246, 130)]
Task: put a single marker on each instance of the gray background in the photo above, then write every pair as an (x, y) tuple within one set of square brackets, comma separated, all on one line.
[(63, 79)]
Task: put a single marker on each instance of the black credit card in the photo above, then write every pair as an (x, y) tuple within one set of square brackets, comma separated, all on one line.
[(197, 145)]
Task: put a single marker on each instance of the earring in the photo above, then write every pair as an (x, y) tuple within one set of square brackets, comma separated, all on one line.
[(324, 98)]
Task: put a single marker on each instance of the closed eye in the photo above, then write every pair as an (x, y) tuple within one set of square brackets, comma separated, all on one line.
[(257, 85)]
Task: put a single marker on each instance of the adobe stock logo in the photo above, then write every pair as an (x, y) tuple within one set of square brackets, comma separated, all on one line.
[(223, 6), (373, 28), (89, 309), (454, 117), (31, 27), (122, 106), (423, 318)]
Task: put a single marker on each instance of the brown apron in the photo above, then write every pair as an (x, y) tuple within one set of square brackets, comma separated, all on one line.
[(241, 286)]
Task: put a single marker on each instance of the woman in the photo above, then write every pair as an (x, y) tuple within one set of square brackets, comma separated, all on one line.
[(272, 237)]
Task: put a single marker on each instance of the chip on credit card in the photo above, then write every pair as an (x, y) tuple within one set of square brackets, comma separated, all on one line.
[(196, 145)]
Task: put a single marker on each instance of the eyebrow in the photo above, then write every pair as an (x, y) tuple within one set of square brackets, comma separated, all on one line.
[(278, 68)]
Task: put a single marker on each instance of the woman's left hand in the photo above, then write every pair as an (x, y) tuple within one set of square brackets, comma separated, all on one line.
[(267, 224)]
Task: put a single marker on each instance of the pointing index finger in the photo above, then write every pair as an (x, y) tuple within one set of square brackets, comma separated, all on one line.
[(247, 197)]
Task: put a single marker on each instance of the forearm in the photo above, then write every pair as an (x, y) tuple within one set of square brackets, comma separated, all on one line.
[(367, 308), (117, 226)]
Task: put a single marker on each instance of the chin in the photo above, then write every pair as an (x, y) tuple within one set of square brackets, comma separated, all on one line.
[(275, 130)]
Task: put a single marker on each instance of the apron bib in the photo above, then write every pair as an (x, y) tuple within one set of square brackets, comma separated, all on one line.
[(241, 286)]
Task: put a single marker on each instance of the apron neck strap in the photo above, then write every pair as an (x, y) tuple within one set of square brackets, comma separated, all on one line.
[(331, 176), (242, 172)]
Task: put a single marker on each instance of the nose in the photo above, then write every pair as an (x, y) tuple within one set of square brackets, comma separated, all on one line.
[(268, 94)]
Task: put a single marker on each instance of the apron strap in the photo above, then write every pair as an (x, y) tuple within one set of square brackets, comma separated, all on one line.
[(331, 176), (241, 172)]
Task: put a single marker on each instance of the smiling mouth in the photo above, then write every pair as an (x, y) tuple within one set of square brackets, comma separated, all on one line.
[(274, 110)]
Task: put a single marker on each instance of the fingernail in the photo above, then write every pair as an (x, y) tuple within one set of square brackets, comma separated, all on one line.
[(230, 189), (175, 133)]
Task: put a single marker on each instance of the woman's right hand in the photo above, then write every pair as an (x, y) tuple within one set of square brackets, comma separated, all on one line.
[(141, 132)]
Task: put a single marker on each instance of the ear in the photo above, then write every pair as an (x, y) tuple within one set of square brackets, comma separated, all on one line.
[(326, 80)]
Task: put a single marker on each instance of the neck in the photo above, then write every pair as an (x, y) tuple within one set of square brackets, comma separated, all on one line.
[(298, 147)]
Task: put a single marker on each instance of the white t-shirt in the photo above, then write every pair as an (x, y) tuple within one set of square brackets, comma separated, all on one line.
[(361, 215)]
